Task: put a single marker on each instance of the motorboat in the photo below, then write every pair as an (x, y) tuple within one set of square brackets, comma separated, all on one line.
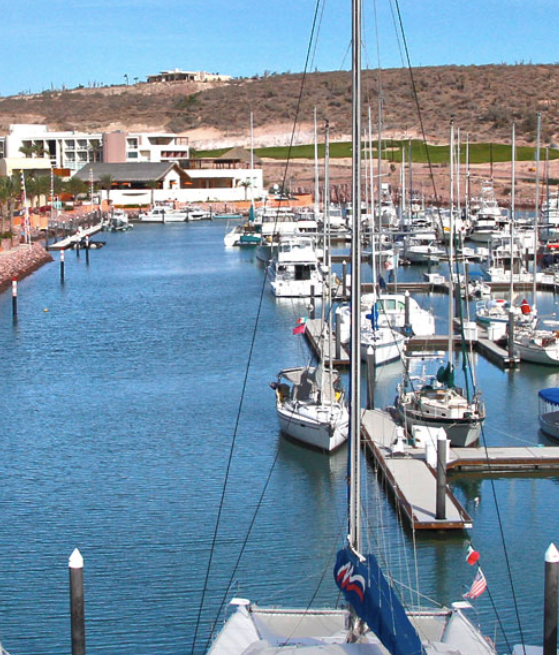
[(537, 346), (163, 214), (295, 271), (548, 411)]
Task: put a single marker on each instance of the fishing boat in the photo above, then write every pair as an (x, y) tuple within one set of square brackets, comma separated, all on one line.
[(375, 622), (548, 412)]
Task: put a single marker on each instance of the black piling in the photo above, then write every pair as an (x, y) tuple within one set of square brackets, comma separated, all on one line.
[(311, 303), (338, 339), (550, 601), (14, 298), (344, 278), (62, 266), (510, 336), (77, 603), (441, 478), (87, 249)]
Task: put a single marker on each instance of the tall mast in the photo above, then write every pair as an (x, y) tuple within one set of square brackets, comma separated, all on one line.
[(355, 358), (538, 136), (327, 255), (252, 158), (451, 248), (512, 212), (316, 183)]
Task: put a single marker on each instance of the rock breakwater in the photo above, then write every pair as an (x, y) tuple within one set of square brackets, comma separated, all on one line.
[(20, 262)]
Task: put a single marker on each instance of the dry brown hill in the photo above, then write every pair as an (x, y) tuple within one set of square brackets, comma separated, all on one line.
[(483, 99)]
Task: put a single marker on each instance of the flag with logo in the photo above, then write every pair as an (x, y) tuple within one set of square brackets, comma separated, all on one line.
[(479, 585)]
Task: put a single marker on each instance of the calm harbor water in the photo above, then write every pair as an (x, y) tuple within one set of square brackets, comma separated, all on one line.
[(120, 399)]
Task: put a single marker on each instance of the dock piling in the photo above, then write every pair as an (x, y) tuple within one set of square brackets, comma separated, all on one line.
[(77, 605), (62, 266), (550, 600), (311, 303), (440, 513), (14, 298), (371, 373), (87, 249), (338, 339), (344, 278)]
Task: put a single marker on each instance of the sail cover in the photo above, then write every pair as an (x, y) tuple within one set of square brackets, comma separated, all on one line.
[(550, 395), (375, 602)]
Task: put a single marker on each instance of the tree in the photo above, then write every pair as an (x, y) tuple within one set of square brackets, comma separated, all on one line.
[(153, 184), (246, 184), (27, 149), (106, 183), (95, 148), (8, 192), (75, 186)]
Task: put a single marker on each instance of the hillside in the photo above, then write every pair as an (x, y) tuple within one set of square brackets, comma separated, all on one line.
[(483, 99)]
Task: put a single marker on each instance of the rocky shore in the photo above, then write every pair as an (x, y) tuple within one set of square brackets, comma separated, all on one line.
[(20, 262)]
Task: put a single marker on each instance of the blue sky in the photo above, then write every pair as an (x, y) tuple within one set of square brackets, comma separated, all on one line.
[(70, 42)]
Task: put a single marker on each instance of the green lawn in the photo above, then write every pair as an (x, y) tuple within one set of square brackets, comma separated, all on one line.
[(480, 153)]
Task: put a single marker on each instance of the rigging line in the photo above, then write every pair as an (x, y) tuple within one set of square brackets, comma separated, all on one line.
[(228, 468), (299, 99), (502, 533), (419, 115), (245, 381)]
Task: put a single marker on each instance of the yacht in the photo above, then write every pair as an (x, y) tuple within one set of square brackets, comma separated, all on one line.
[(295, 271)]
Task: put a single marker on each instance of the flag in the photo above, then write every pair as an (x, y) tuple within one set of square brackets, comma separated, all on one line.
[(301, 321), (300, 329), (472, 556), (479, 585)]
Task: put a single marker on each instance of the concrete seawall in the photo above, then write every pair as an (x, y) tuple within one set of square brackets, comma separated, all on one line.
[(20, 262)]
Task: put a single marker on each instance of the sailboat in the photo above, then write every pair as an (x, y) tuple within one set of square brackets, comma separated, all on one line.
[(310, 401), (375, 623), (436, 401)]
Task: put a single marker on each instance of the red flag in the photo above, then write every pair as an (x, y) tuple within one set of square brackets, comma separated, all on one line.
[(472, 556), (479, 585), (300, 329)]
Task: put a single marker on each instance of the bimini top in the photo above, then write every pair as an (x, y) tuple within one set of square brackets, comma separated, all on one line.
[(550, 395)]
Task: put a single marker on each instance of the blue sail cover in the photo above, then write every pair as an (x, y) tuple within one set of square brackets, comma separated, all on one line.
[(550, 395), (375, 602)]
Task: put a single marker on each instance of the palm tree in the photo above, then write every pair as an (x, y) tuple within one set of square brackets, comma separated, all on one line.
[(95, 148), (106, 183), (39, 149), (27, 149), (10, 191), (152, 184), (75, 186), (246, 184)]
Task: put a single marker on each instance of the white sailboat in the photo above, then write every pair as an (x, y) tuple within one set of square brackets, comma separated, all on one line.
[(436, 401), (375, 623), (310, 402)]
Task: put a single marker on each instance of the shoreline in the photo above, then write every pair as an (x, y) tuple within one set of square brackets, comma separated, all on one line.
[(21, 261)]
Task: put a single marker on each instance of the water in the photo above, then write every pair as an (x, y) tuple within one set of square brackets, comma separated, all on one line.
[(119, 409)]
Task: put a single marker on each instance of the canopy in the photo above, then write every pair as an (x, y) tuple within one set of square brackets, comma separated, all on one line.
[(550, 395)]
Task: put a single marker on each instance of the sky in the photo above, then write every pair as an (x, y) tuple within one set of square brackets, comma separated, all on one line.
[(66, 43)]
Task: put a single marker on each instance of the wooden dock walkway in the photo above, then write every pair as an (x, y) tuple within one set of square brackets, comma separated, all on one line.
[(69, 241), (412, 481), (521, 459)]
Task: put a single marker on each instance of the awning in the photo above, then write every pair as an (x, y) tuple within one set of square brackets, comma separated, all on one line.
[(550, 395)]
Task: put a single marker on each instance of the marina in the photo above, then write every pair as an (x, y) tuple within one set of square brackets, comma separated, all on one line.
[(119, 422)]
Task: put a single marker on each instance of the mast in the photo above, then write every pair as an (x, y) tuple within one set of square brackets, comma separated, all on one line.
[(316, 183), (451, 248), (252, 158), (355, 303), (327, 255), (538, 136), (512, 211)]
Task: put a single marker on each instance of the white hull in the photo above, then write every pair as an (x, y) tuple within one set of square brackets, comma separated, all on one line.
[(386, 344), (539, 350), (549, 424), (323, 428)]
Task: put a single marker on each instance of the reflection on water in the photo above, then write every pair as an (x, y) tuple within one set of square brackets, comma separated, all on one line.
[(120, 405)]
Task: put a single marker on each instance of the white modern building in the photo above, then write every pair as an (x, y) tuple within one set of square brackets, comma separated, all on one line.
[(73, 150)]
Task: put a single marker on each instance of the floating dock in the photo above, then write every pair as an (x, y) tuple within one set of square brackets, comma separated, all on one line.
[(412, 481), (69, 241)]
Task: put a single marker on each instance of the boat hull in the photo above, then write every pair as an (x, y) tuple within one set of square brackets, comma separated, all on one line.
[(314, 432), (461, 432), (549, 424)]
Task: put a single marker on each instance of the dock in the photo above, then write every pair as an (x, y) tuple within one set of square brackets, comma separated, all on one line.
[(69, 241), (411, 480), (521, 459)]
